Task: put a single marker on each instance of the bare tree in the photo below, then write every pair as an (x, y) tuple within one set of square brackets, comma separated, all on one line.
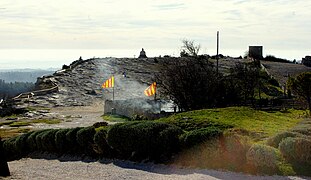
[(189, 48), (190, 82)]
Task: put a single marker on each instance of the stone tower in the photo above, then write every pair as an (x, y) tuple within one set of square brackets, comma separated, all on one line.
[(255, 52), (142, 54)]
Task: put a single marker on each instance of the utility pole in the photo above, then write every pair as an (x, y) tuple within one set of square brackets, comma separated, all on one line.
[(217, 50)]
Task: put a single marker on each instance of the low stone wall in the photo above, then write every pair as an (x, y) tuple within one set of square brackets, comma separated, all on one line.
[(131, 107)]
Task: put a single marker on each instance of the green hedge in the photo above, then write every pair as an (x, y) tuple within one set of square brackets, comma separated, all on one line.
[(32, 140), (61, 142), (144, 140), (85, 139), (71, 139), (101, 145), (10, 149), (199, 136), (48, 141)]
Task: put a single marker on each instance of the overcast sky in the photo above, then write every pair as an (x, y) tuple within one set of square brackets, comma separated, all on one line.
[(155, 24)]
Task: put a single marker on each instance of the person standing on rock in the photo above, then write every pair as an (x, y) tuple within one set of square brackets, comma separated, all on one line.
[(4, 168)]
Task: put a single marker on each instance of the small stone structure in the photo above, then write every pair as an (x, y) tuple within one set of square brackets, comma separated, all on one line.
[(306, 61), (132, 107), (142, 54), (255, 52)]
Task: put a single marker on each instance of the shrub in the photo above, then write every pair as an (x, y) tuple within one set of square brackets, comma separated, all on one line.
[(296, 149), (100, 124), (265, 158), (168, 142), (71, 139), (303, 130), (10, 149), (233, 150), (61, 141), (196, 137), (85, 139), (21, 144), (143, 140), (101, 145), (31, 140), (48, 140), (275, 140), (38, 137)]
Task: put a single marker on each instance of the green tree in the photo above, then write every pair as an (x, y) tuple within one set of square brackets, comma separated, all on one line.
[(301, 86), (246, 79)]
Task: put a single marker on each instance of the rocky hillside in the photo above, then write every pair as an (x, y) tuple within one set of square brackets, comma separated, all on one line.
[(80, 83), (281, 71)]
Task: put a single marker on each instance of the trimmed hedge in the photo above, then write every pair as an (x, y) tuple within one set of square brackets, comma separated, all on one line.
[(85, 139), (48, 141), (144, 140), (71, 139), (21, 144), (199, 136), (61, 142), (101, 145), (10, 149), (32, 140)]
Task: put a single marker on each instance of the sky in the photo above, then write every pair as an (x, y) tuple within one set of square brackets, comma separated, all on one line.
[(283, 27)]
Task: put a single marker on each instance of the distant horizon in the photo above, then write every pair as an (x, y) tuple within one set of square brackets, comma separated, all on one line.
[(54, 58)]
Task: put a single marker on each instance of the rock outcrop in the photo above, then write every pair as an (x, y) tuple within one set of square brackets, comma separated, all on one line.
[(80, 84)]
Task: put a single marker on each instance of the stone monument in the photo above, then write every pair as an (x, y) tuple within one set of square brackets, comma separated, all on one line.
[(142, 54)]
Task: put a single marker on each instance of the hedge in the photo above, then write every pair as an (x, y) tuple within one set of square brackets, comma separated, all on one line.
[(101, 145), (199, 136), (61, 142), (71, 139), (144, 140), (85, 139)]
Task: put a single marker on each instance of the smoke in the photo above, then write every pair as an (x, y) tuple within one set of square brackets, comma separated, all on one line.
[(129, 89), (126, 87)]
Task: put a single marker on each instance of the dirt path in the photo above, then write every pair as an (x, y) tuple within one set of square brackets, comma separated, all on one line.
[(105, 169), (75, 116)]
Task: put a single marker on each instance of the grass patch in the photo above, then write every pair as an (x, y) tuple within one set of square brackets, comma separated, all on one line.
[(115, 118), (29, 122), (260, 124), (8, 133), (7, 122), (20, 123), (47, 121)]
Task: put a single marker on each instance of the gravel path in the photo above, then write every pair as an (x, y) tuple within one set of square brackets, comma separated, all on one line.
[(76, 169)]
